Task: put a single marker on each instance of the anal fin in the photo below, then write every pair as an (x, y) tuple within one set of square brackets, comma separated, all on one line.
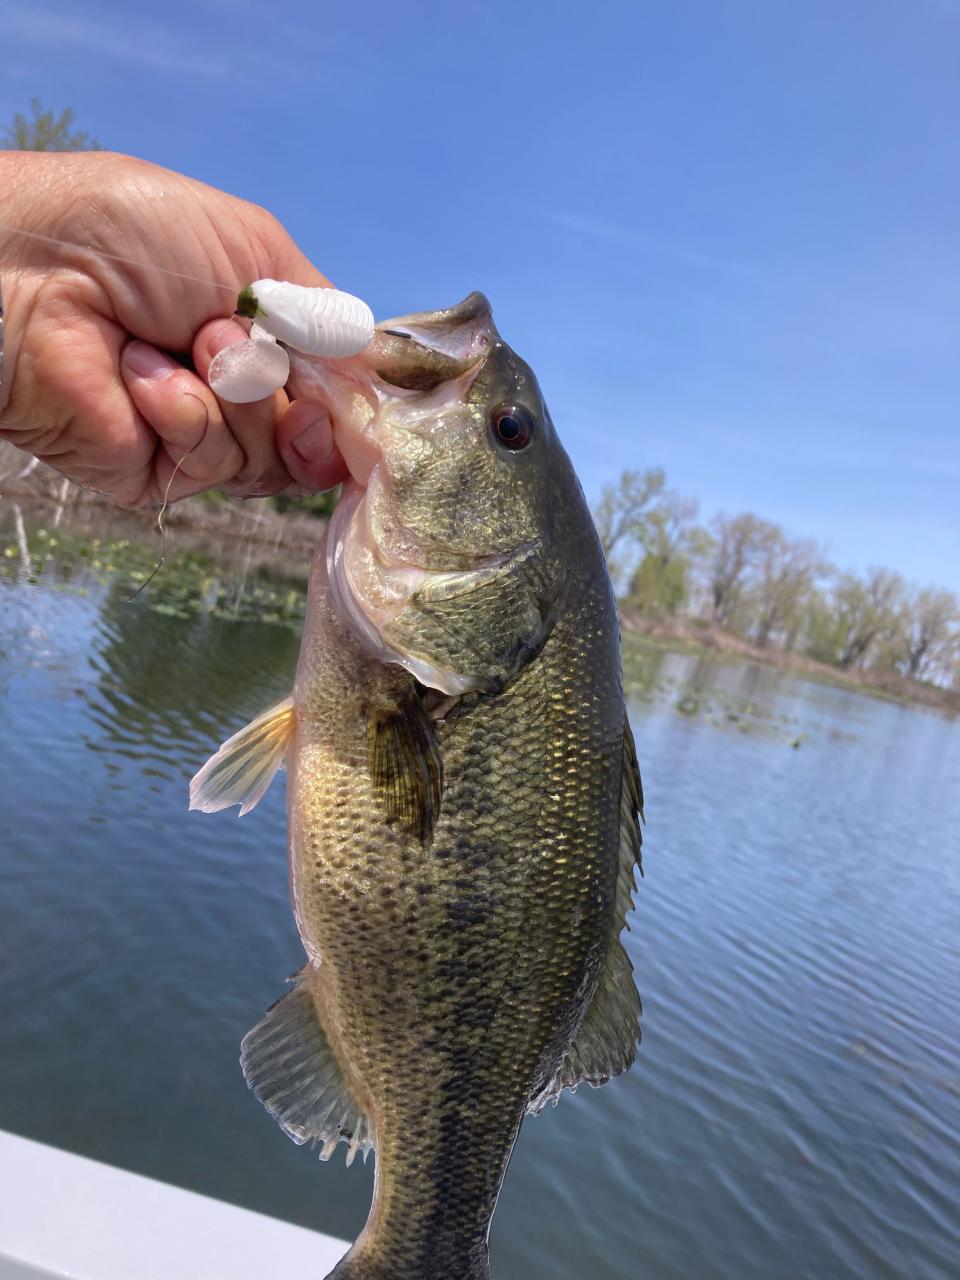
[(288, 1063), (606, 1041)]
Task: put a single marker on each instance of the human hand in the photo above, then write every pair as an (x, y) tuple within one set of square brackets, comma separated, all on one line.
[(88, 384)]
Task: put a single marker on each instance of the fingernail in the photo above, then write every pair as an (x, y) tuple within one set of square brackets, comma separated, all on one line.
[(147, 362), (227, 334), (315, 442)]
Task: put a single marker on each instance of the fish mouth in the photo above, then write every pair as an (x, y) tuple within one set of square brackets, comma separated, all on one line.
[(429, 356), (418, 352)]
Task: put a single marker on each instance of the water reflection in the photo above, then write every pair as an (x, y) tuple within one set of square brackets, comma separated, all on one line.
[(168, 682)]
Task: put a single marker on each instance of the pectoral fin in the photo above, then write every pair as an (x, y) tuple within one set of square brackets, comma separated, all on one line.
[(243, 768), (406, 767), (605, 1044), (288, 1063)]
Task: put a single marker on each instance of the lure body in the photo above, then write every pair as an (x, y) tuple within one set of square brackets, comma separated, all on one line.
[(316, 322), (249, 370)]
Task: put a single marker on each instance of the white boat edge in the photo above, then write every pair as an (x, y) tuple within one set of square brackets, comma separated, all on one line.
[(67, 1216)]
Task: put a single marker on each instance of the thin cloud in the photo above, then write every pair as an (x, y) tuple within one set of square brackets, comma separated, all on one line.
[(611, 233), (140, 43)]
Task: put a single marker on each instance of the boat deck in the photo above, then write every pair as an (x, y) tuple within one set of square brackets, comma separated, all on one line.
[(65, 1216)]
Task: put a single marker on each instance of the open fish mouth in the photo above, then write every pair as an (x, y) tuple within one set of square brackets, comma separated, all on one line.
[(418, 352)]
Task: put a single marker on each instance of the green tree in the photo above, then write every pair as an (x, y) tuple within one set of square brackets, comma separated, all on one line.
[(622, 515), (821, 631), (660, 587), (786, 573), (739, 543), (868, 612), (46, 131), (671, 544), (930, 634)]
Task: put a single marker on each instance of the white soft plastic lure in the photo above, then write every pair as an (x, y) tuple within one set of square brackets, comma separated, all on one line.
[(316, 322)]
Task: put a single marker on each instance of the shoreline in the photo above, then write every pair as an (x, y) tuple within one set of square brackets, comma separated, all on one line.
[(274, 535), (223, 520), (701, 637)]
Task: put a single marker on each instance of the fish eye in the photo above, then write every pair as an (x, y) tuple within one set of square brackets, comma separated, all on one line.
[(513, 426)]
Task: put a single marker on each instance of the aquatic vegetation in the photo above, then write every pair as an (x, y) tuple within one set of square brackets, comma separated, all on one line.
[(191, 581), (718, 693)]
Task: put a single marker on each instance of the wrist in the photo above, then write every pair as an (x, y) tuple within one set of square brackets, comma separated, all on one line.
[(35, 189)]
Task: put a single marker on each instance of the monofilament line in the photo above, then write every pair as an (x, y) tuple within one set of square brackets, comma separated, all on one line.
[(116, 257), (160, 515)]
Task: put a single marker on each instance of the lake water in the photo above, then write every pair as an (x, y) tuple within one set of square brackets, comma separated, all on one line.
[(795, 1108)]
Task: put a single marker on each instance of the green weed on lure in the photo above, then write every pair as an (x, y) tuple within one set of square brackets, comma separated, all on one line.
[(316, 322)]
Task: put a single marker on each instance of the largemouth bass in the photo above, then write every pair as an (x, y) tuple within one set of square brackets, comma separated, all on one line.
[(463, 795)]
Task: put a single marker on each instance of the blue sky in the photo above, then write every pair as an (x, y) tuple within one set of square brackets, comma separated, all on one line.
[(726, 235)]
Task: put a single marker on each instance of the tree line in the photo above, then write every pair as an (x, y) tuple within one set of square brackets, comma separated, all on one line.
[(747, 576)]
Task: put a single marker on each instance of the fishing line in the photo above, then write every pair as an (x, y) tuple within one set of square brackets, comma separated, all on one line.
[(116, 257), (163, 509)]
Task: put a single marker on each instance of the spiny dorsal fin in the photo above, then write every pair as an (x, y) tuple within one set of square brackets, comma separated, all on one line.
[(243, 768), (406, 767), (288, 1063), (606, 1041)]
